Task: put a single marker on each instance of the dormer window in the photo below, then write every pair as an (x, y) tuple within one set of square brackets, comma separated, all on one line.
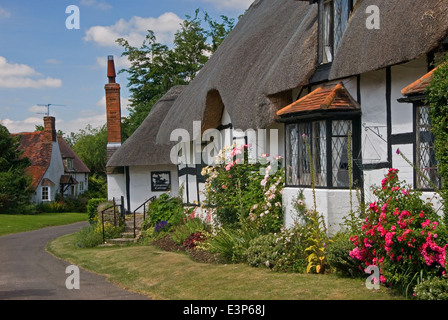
[(69, 163), (334, 15)]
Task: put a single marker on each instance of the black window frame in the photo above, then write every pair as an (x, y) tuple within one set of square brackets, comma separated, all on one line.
[(355, 119), (321, 25), (416, 106)]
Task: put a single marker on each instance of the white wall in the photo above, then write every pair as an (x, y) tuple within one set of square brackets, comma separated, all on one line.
[(140, 183), (333, 204), (53, 173)]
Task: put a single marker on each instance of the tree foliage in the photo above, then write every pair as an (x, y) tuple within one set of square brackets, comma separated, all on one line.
[(437, 98), (90, 144), (15, 184)]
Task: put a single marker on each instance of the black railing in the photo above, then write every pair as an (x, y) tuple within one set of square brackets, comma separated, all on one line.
[(114, 206), (144, 211)]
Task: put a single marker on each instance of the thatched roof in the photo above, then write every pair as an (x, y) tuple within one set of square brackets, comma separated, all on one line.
[(408, 29), (273, 49), (258, 59), (140, 149)]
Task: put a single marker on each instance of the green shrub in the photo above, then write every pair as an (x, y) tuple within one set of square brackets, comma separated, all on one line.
[(165, 208), (92, 236), (230, 245), (181, 232), (338, 256), (92, 208), (434, 289), (264, 251)]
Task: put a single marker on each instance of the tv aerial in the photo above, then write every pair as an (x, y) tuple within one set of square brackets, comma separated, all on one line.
[(48, 107)]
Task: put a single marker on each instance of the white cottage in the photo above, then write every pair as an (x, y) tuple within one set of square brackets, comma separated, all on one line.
[(325, 69), (55, 167)]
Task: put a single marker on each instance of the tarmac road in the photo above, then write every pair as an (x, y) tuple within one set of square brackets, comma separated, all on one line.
[(29, 272)]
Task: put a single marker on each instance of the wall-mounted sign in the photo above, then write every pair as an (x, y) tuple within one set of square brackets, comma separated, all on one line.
[(160, 181)]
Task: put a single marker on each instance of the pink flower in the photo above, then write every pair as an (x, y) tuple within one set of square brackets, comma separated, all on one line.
[(223, 186), (405, 192)]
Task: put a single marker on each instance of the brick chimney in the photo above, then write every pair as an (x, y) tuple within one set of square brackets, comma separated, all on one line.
[(50, 129), (113, 110)]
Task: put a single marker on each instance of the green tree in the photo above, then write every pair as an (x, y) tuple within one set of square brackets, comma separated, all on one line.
[(15, 184), (90, 144)]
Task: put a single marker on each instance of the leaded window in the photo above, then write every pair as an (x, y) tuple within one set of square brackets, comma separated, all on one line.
[(425, 154), (334, 20), (328, 143), (45, 194)]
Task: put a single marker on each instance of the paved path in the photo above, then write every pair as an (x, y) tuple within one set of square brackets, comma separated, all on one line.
[(29, 272)]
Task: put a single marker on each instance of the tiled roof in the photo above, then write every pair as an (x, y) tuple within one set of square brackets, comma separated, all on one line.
[(323, 98), (419, 86), (35, 147), (38, 151), (67, 152)]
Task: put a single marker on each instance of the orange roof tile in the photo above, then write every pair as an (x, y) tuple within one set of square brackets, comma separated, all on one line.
[(36, 149), (418, 86), (323, 98)]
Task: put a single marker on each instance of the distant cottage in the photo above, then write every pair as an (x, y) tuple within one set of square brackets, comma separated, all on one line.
[(294, 70), (55, 167)]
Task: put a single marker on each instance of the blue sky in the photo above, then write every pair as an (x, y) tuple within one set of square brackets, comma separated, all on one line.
[(43, 62)]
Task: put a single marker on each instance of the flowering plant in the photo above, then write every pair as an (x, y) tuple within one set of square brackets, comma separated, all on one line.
[(401, 235), (238, 192)]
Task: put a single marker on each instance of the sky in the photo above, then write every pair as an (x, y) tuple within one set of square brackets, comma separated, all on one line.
[(45, 61)]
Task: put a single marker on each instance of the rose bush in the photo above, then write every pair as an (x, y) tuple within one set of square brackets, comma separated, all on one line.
[(402, 235), (243, 191)]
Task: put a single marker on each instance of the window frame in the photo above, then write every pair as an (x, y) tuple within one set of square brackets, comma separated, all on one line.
[(355, 119), (417, 155), (322, 26), (45, 190)]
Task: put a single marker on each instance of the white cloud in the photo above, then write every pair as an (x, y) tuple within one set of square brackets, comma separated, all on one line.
[(231, 4), (120, 62), (27, 125), (37, 109), (4, 13), (23, 76), (135, 30)]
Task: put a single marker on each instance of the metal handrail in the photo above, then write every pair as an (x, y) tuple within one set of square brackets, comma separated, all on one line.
[(102, 217), (144, 211)]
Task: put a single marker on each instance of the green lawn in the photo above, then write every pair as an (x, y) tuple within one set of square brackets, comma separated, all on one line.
[(174, 276), (20, 223)]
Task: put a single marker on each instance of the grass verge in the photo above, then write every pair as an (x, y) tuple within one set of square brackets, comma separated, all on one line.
[(20, 223), (165, 275)]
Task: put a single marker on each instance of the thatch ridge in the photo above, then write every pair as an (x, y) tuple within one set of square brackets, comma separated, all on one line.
[(408, 30)]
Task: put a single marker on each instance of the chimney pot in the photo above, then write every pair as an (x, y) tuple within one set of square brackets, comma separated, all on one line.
[(111, 74)]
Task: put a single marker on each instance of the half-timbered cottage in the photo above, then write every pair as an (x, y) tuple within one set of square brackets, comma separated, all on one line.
[(329, 71)]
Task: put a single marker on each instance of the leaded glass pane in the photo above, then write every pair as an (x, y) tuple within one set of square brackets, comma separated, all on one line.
[(314, 134), (341, 12), (339, 144), (426, 159), (292, 154)]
